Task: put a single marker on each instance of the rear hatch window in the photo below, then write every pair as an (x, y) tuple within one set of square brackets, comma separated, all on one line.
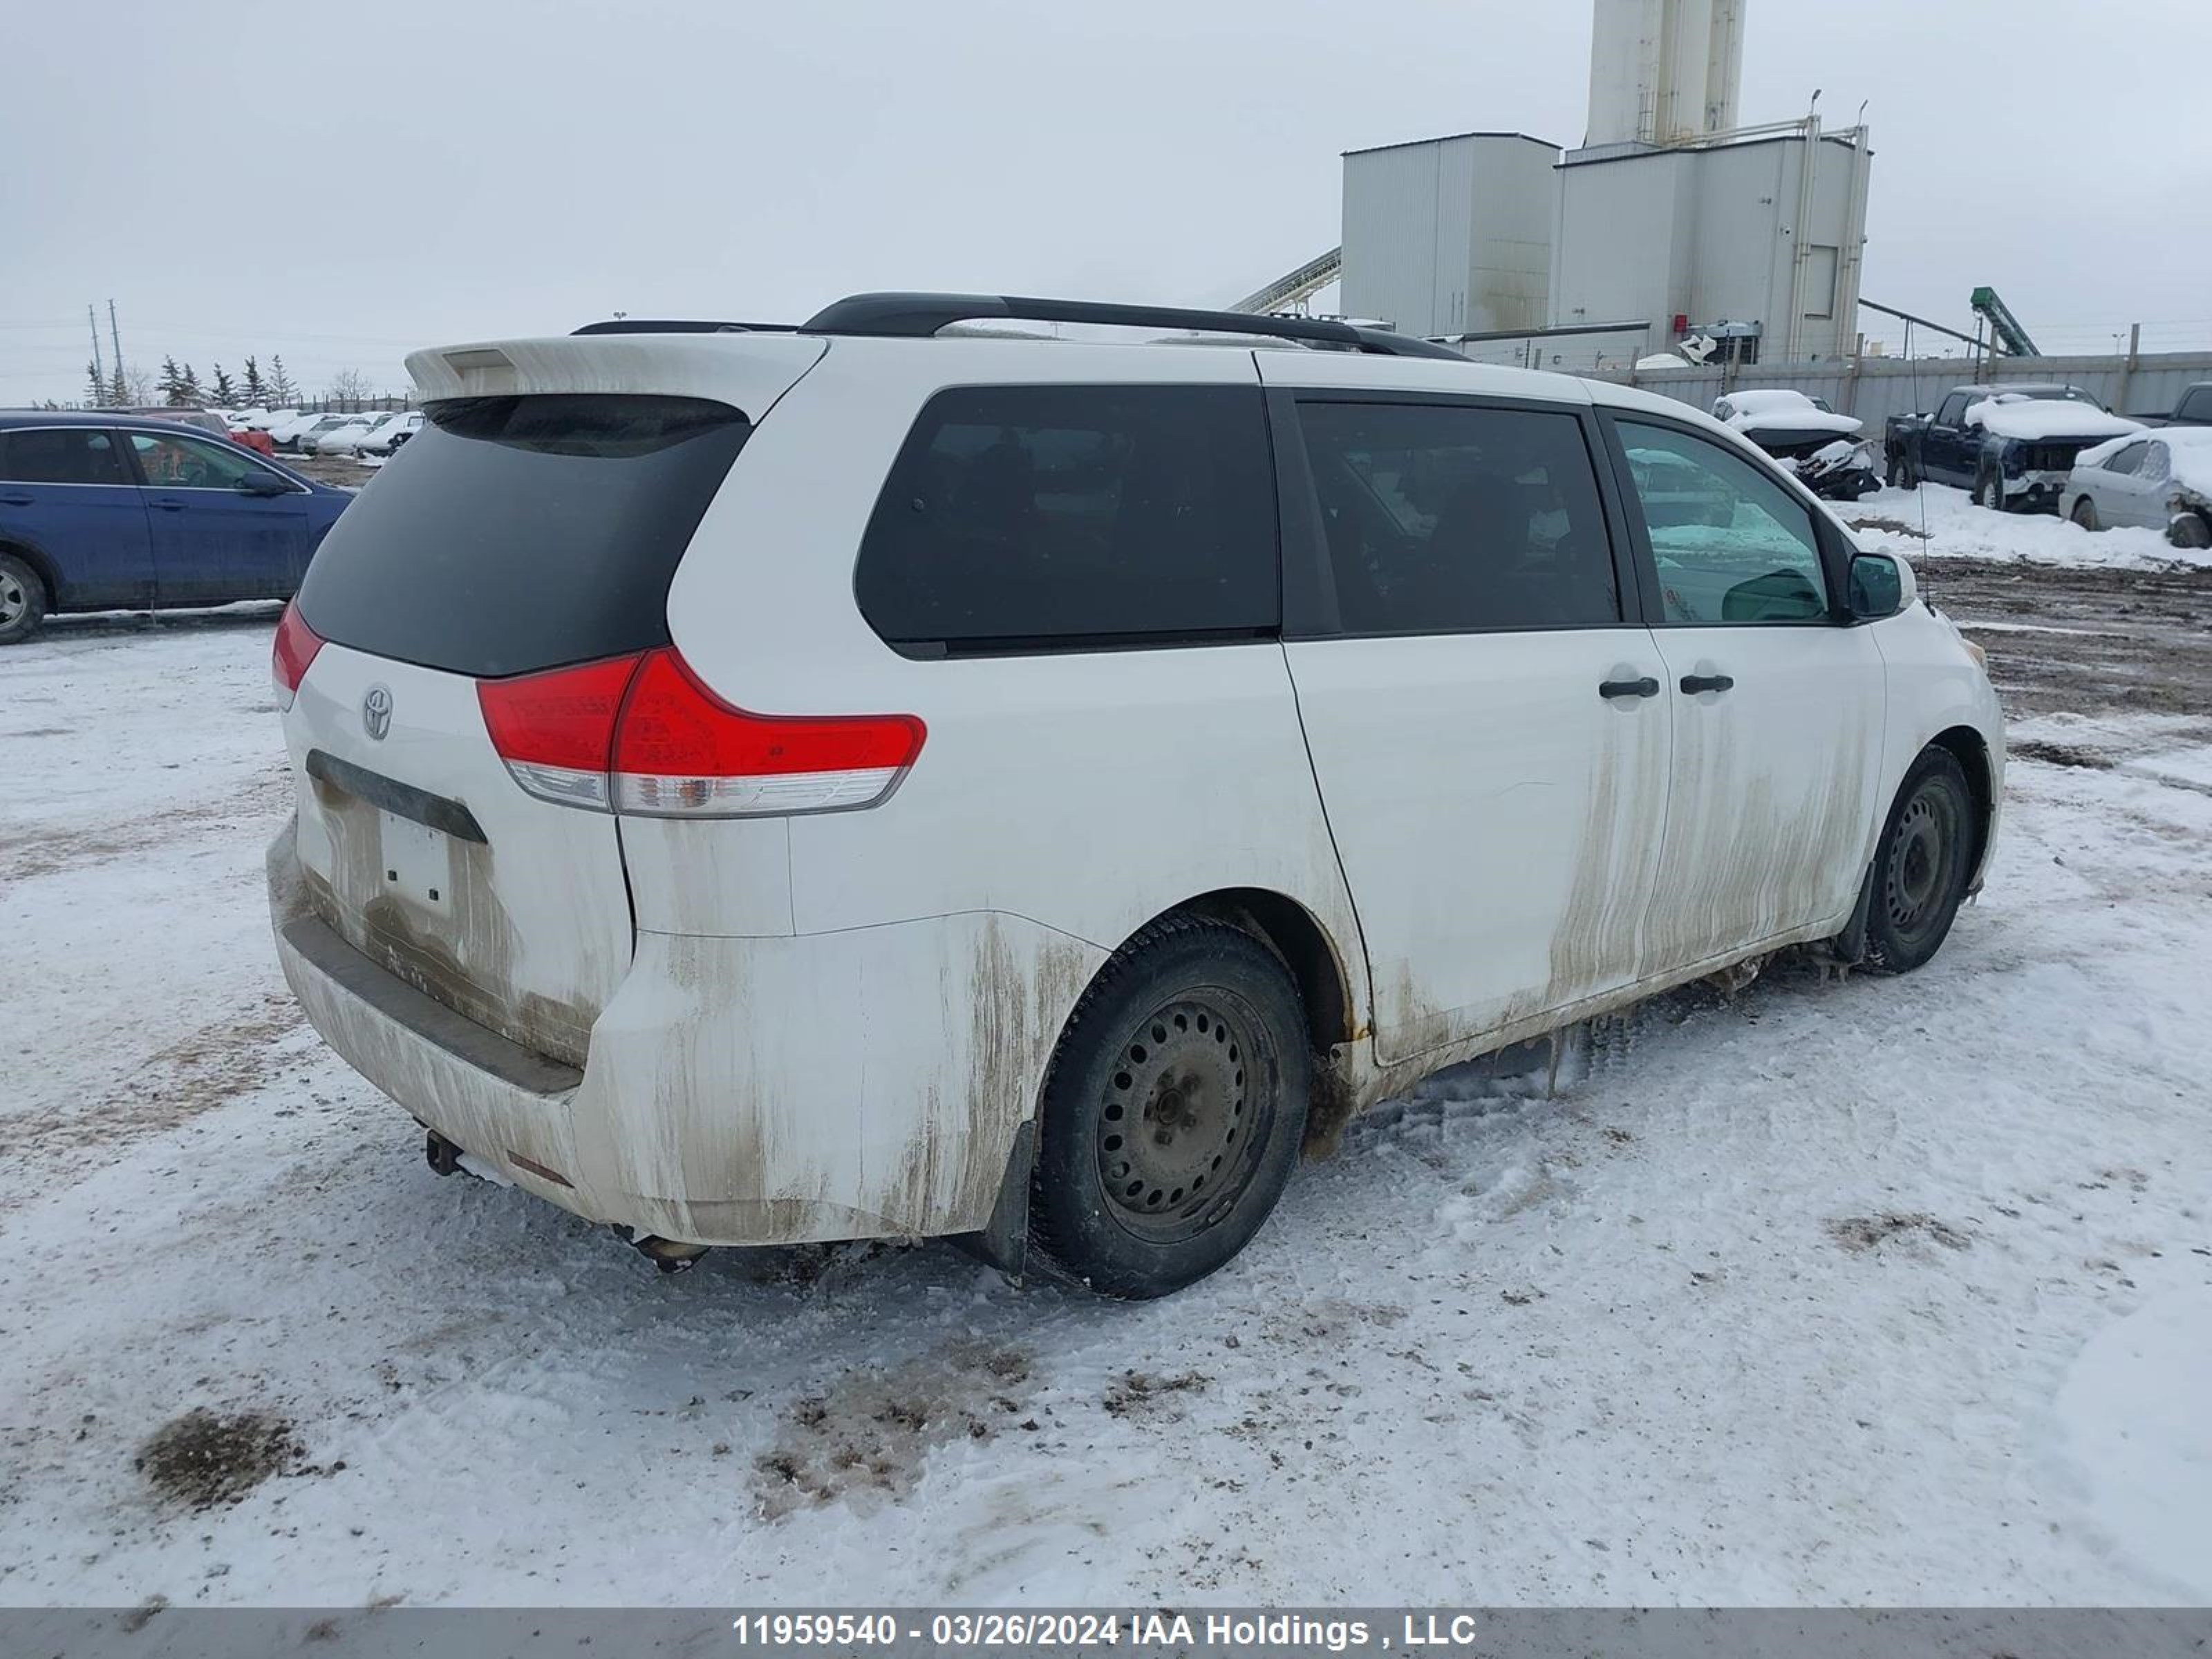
[(517, 533)]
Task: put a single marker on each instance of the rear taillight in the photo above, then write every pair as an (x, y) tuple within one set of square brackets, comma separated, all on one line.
[(295, 647), (641, 735), (557, 729)]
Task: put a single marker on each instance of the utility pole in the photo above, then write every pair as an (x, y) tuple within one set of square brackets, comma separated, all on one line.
[(115, 337), (99, 368)]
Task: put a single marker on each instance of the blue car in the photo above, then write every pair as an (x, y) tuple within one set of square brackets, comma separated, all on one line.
[(105, 512)]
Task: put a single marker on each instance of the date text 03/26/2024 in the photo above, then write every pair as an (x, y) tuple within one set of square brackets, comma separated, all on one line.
[(1174, 1630)]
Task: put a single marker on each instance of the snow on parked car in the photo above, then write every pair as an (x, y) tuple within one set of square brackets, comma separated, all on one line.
[(1779, 406), (2018, 414), (2158, 481), (390, 435), (2012, 447), (347, 437), (1822, 447), (298, 433)]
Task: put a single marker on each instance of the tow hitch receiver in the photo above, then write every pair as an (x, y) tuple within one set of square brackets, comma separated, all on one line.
[(444, 1156)]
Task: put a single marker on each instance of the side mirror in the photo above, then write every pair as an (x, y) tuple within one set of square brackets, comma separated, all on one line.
[(1880, 586), (257, 482)]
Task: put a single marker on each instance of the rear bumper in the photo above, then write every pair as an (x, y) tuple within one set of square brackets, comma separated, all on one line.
[(868, 1083)]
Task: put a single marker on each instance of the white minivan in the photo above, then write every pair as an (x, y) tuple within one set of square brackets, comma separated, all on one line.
[(760, 785)]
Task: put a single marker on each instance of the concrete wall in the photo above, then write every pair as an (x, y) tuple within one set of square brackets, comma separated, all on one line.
[(1874, 388), (1450, 235)]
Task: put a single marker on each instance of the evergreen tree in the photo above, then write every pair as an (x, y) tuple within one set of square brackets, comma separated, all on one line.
[(222, 389), (281, 389), (171, 385), (189, 387), (119, 388), (95, 387), (257, 394)]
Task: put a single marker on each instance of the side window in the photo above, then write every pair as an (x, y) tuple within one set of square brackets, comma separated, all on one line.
[(1731, 545), (2196, 404), (61, 455), (180, 463), (1953, 409), (1020, 516), (1444, 518), (2127, 459), (2155, 463)]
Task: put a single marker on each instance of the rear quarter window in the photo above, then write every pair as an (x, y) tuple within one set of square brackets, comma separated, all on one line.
[(1056, 517), (514, 534), (61, 454)]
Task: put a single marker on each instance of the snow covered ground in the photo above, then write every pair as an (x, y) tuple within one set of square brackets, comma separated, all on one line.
[(1890, 1291), (1937, 522)]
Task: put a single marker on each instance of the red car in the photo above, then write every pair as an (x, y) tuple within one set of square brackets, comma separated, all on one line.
[(259, 442)]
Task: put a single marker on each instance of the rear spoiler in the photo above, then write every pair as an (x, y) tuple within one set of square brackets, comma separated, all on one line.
[(744, 370), (680, 325)]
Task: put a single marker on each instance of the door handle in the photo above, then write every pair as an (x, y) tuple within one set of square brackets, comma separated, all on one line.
[(167, 503), (1646, 687), (12, 499), (1693, 683)]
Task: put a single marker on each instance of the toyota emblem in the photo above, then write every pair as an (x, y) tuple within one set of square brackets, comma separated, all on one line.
[(376, 712)]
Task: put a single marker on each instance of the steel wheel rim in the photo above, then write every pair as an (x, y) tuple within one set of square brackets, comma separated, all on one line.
[(1183, 1120), (13, 601), (1920, 859)]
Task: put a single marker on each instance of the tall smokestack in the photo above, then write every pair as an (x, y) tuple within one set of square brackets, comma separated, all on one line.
[(1663, 70)]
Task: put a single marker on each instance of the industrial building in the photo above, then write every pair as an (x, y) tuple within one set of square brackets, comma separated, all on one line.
[(1753, 237), (1669, 221), (1453, 235)]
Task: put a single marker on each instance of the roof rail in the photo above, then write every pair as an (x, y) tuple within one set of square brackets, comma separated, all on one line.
[(680, 325), (919, 315)]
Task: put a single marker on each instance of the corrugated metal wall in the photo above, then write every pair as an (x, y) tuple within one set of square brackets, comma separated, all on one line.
[(1874, 388)]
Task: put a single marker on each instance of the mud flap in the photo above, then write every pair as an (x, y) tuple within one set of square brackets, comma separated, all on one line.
[(1849, 948), (1005, 1242)]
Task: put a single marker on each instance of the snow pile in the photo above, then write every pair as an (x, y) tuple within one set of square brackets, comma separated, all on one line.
[(1892, 521), (2012, 415)]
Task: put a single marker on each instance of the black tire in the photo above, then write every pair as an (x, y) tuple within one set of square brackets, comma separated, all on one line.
[(1988, 492), (1922, 865), (2190, 529), (1900, 471), (23, 600), (2085, 514), (1192, 1031)]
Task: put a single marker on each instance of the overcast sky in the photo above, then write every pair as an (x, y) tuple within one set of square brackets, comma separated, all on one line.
[(339, 180)]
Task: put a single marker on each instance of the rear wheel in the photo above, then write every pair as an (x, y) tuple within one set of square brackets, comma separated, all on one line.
[(2085, 514), (1921, 867), (1989, 491), (22, 600), (2190, 529), (1900, 471), (1173, 1111)]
